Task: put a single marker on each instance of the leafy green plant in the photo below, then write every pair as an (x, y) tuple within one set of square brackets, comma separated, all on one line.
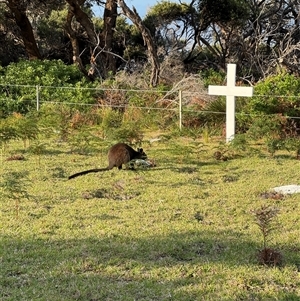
[(277, 94), (56, 119), (266, 126), (239, 143), (7, 132), (129, 132), (55, 81), (111, 119), (121, 126), (14, 187), (38, 148), (212, 77), (225, 151), (82, 141), (26, 128), (274, 144), (214, 112), (293, 144)]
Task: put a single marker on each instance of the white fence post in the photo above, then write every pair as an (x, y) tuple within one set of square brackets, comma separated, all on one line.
[(37, 97), (180, 109)]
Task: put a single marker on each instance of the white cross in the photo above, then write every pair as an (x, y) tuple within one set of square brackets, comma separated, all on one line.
[(230, 91)]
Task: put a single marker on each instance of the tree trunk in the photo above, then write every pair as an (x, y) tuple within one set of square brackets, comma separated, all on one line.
[(82, 18), (109, 18), (75, 47), (23, 23), (148, 40), (104, 46)]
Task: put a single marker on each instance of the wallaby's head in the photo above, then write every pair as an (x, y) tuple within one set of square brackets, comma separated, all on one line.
[(142, 154)]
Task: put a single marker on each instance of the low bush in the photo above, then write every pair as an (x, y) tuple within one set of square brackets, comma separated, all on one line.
[(23, 82), (277, 94)]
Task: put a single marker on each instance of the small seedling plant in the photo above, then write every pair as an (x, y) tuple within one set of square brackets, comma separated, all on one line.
[(264, 217), (38, 148), (14, 187)]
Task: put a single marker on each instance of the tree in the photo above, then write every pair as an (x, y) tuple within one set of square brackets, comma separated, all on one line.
[(148, 40), (260, 36), (75, 11), (109, 25), (78, 12), (175, 28), (18, 10)]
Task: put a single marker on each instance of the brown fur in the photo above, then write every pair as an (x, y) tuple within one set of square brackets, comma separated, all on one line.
[(118, 155)]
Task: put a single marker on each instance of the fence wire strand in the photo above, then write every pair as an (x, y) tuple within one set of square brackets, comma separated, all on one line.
[(174, 102)]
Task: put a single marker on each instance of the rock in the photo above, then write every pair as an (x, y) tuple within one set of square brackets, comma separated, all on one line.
[(287, 189)]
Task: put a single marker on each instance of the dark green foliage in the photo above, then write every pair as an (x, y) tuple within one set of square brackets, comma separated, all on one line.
[(293, 144), (111, 119), (277, 94), (56, 118), (23, 82), (274, 144), (166, 11), (266, 126), (239, 143), (44, 73), (129, 132), (214, 111), (26, 127), (14, 187), (38, 148), (83, 141), (223, 11), (212, 77), (7, 132)]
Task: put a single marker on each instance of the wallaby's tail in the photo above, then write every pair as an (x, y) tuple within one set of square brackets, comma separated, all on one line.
[(86, 171)]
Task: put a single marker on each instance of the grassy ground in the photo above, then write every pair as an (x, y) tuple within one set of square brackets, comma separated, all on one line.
[(182, 230)]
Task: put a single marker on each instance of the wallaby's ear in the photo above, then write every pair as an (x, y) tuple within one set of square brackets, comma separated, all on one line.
[(140, 150)]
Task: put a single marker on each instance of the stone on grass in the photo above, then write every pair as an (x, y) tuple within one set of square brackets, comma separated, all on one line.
[(287, 189)]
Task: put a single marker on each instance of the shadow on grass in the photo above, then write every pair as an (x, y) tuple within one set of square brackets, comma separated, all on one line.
[(184, 266)]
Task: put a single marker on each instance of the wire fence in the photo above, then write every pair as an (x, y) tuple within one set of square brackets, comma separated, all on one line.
[(175, 100)]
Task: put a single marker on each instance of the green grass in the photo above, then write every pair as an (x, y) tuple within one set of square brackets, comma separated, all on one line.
[(182, 230)]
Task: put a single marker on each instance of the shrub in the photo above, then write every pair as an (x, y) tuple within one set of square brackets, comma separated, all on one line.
[(26, 127), (277, 94), (83, 141), (7, 132), (56, 81), (111, 119), (56, 118), (14, 187), (263, 126), (129, 132), (212, 77)]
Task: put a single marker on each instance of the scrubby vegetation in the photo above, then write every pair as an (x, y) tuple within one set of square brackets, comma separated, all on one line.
[(271, 115)]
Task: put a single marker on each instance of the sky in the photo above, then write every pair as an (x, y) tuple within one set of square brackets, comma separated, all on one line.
[(140, 5)]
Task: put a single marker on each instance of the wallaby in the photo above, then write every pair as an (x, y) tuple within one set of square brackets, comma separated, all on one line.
[(118, 155)]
